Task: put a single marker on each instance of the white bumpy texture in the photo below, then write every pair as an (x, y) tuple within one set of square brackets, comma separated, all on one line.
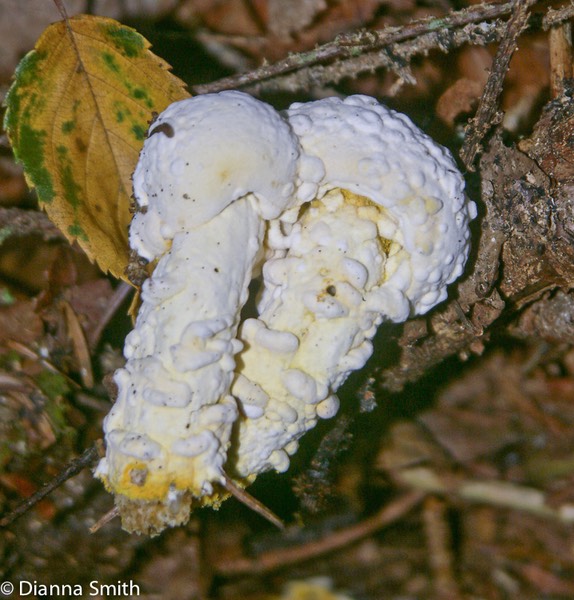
[(357, 217), (211, 171), (384, 251)]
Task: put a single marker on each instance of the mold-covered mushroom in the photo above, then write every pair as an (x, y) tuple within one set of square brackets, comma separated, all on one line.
[(212, 169), (356, 217), (382, 230)]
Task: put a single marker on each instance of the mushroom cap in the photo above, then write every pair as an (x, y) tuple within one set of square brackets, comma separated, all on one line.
[(203, 153), (361, 146)]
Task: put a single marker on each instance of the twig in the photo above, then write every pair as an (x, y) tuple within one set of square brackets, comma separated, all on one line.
[(61, 9), (248, 500), (395, 58), (36, 356), (491, 492), (556, 16), (86, 459), (487, 114), (439, 544), (351, 45), (109, 516), (561, 58), (288, 556), (120, 294)]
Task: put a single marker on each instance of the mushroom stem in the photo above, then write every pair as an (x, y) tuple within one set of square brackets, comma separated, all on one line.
[(169, 430), (322, 302), (384, 231), (212, 171)]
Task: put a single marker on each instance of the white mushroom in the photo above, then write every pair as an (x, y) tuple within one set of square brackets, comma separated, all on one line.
[(212, 169), (359, 218), (384, 231)]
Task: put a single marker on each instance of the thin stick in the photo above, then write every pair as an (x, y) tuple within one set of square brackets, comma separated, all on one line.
[(252, 503), (349, 45), (62, 9), (561, 58), (111, 514), (86, 459), (288, 556), (120, 294), (487, 113), (554, 17), (439, 544)]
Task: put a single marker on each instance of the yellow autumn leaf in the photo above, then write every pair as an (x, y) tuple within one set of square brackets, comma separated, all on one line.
[(76, 117)]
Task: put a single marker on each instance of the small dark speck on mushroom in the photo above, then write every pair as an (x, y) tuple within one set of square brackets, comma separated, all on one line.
[(216, 269), (186, 196), (331, 290)]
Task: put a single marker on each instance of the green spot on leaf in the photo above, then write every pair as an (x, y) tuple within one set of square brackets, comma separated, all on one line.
[(139, 132), (29, 68), (77, 231), (141, 94), (110, 62), (68, 126), (127, 41), (71, 189), (31, 154)]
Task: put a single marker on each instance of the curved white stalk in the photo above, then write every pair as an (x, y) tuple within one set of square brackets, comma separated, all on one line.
[(385, 232), (213, 168)]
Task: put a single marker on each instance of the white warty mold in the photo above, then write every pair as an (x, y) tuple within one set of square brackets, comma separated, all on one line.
[(354, 215)]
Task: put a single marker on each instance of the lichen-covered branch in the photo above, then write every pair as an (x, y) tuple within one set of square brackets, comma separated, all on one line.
[(87, 459), (395, 57), (487, 114), (366, 50)]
